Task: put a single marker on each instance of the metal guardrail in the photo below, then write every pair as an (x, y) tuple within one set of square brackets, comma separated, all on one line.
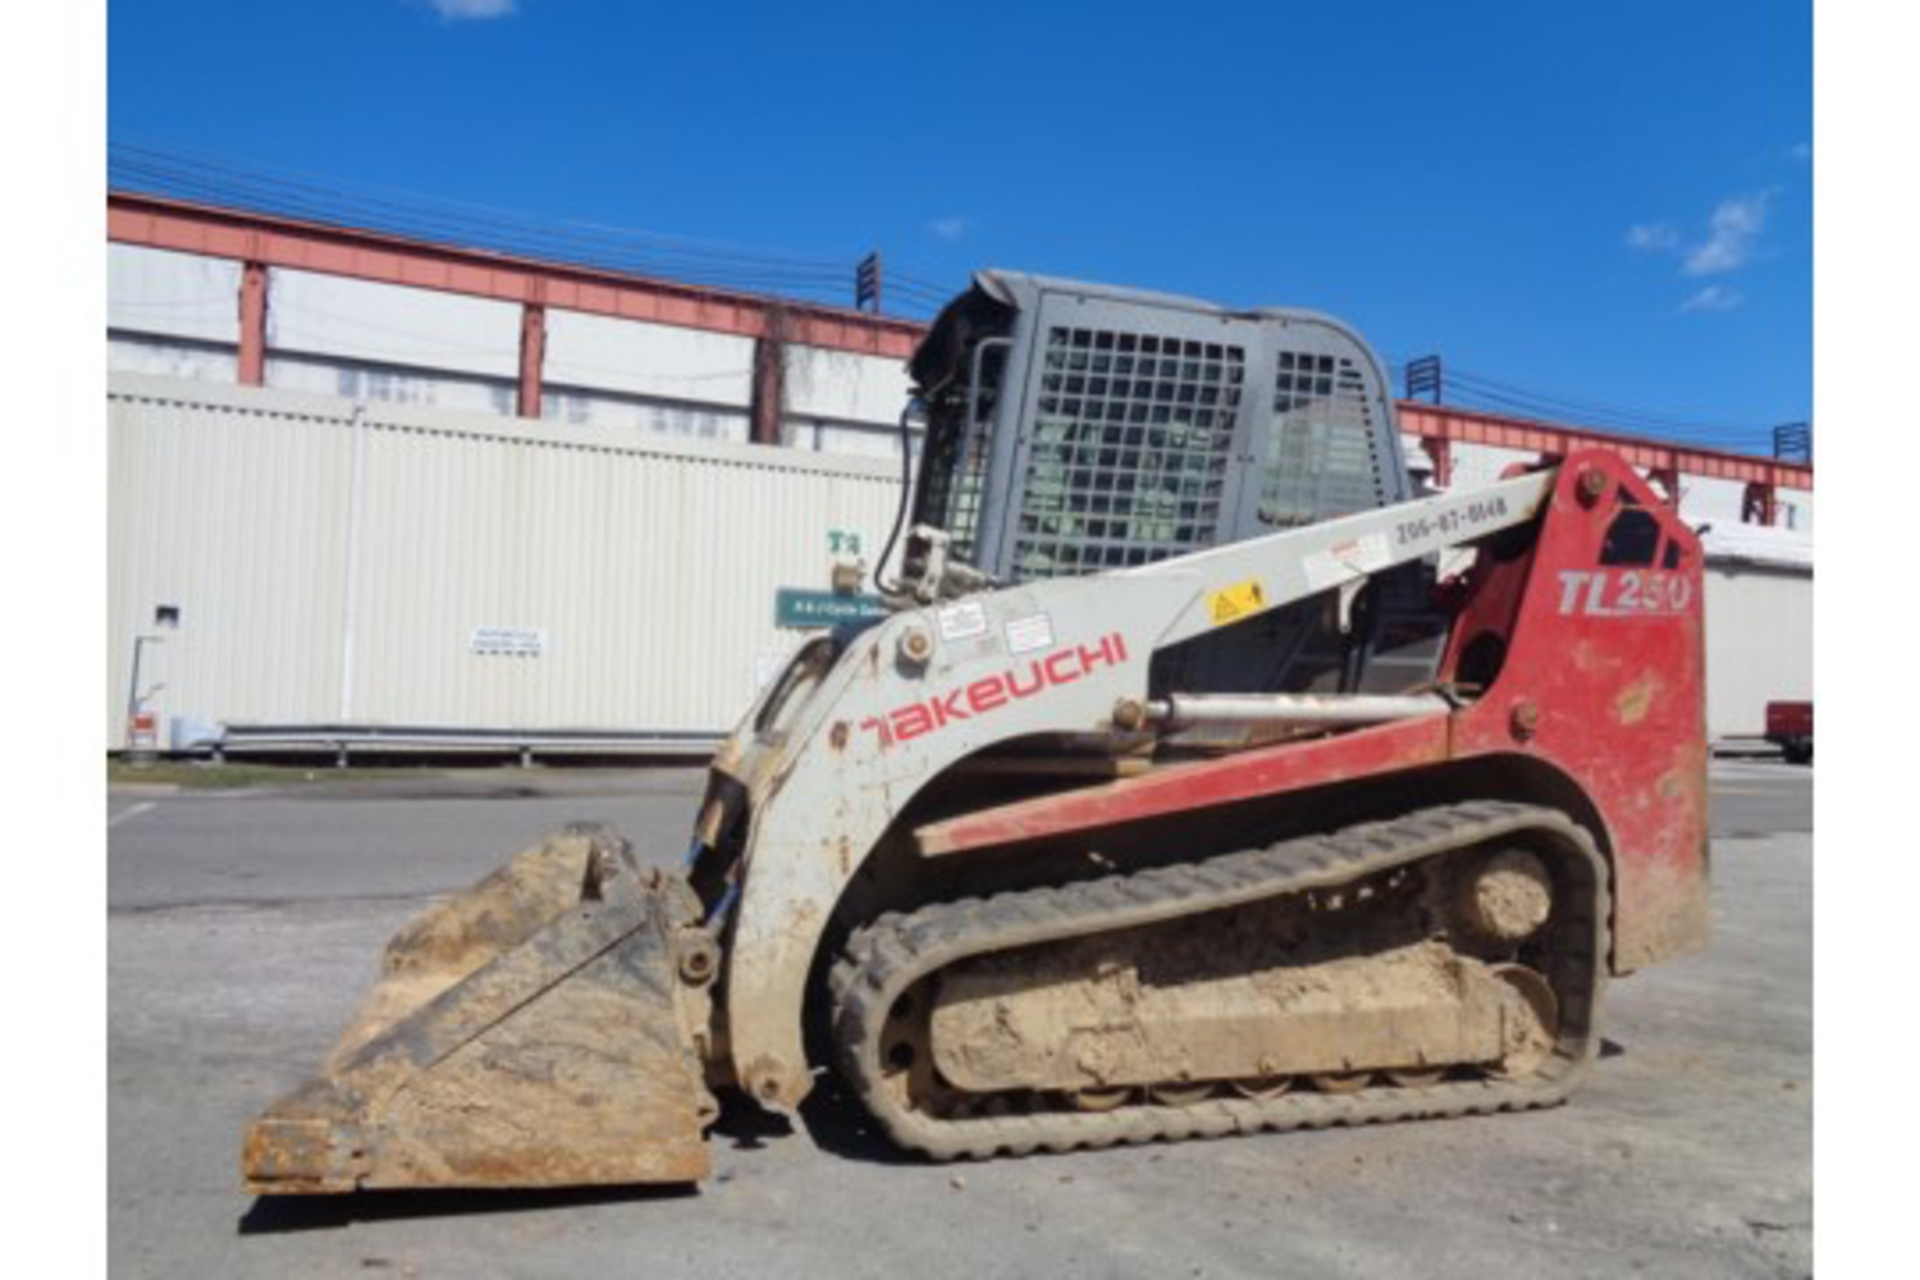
[(343, 741)]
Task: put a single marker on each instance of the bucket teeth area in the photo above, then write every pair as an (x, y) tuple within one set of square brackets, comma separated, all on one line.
[(535, 1031)]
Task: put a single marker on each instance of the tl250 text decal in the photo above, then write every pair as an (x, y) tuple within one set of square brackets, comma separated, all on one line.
[(1629, 593)]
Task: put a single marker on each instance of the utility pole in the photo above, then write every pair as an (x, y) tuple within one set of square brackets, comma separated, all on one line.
[(1424, 379), (1793, 442), (866, 284)]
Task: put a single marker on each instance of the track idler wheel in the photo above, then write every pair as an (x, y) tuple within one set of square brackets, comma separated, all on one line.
[(1099, 1099), (1506, 898), (1341, 1082), (1263, 1089), (1533, 1026)]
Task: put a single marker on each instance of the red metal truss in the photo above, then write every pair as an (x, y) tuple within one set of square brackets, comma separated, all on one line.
[(274, 241), (1439, 426), (260, 241)]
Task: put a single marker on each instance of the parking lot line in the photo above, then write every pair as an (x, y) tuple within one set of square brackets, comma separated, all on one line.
[(134, 812)]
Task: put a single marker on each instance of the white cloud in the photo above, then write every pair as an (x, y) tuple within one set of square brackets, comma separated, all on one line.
[(1732, 233), (1714, 297), (1655, 237), (951, 227), (472, 10)]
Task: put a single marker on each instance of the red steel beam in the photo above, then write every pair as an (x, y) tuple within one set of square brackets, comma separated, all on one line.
[(265, 240), (273, 241), (252, 356), (1471, 426), (533, 358)]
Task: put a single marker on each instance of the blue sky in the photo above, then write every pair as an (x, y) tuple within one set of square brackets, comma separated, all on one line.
[(1604, 203)]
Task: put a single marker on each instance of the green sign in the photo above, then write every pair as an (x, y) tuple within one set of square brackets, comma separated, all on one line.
[(793, 607)]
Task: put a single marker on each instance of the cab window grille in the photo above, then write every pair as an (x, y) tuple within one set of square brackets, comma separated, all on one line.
[(1322, 458), (1132, 441), (937, 501), (954, 474)]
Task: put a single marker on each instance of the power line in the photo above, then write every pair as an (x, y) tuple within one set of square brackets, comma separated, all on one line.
[(138, 167), (1664, 418), (414, 202), (1469, 389), (1733, 439)]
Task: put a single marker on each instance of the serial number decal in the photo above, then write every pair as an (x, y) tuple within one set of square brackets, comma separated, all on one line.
[(1451, 524), (995, 692), (1628, 593)]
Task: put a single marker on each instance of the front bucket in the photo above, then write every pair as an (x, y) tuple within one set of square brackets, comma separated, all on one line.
[(540, 1030)]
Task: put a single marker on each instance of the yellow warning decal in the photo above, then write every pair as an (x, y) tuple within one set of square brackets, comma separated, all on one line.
[(1230, 604)]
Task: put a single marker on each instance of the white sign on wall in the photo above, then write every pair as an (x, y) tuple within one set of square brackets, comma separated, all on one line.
[(508, 642)]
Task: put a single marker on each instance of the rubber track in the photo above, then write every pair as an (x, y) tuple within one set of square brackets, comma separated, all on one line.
[(889, 956)]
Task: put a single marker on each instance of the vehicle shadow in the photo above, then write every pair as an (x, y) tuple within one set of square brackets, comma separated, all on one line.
[(840, 1126), (274, 1215), (831, 1121)]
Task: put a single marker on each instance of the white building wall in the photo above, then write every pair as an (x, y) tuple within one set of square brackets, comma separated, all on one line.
[(1718, 502), (1709, 501), (1703, 500), (331, 572), (362, 380), (845, 386), (177, 313), (140, 353), (330, 569), (310, 314), (862, 440), (173, 295), (637, 358), (226, 505), (1796, 509), (601, 409), (1476, 465), (1759, 643)]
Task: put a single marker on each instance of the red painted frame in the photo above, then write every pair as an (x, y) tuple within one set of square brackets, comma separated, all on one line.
[(183, 226), (1611, 705), (1439, 426)]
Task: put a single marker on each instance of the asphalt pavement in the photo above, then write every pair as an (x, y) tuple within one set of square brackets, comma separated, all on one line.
[(243, 930)]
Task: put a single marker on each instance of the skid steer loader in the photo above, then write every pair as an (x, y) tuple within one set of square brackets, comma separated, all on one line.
[(1202, 778)]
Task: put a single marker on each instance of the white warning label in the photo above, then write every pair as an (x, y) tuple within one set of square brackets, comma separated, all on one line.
[(1032, 632), (1344, 561), (959, 621)]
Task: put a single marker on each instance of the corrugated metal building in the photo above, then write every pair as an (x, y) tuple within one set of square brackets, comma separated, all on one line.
[(1759, 624), (339, 567)]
